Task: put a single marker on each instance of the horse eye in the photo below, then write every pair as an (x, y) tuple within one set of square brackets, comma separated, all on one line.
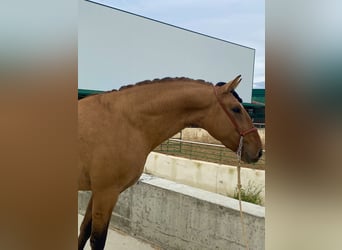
[(236, 110)]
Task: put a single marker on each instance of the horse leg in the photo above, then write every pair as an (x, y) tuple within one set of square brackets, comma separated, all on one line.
[(85, 228), (103, 204)]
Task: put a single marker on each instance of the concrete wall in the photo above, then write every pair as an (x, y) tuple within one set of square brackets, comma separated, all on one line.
[(217, 178), (176, 216)]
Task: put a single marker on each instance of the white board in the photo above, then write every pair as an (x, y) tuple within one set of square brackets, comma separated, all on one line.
[(117, 48)]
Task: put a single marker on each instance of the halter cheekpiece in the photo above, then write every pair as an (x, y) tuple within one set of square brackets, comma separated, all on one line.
[(231, 118)]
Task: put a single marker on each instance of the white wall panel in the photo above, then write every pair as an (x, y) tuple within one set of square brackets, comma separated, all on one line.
[(118, 48)]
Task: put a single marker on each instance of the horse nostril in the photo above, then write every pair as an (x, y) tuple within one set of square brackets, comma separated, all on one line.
[(260, 153)]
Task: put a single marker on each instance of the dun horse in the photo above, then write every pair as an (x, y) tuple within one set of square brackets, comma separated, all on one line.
[(118, 129)]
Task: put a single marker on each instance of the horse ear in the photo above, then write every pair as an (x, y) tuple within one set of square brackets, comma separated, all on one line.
[(231, 85)]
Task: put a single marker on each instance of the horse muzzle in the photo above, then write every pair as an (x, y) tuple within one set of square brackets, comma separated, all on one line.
[(248, 158)]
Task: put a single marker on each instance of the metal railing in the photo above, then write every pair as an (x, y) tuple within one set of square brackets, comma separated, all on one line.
[(204, 151)]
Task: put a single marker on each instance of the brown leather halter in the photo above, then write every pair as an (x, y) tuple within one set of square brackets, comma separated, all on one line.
[(241, 132)]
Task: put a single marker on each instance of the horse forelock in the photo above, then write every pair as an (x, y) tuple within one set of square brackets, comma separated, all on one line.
[(235, 94)]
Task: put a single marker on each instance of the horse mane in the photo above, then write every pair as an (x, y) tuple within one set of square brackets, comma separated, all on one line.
[(163, 80), (157, 80), (169, 79)]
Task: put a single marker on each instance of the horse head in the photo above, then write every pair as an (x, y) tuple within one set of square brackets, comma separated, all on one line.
[(228, 121)]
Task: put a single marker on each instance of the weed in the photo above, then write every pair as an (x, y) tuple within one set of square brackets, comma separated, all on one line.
[(250, 194)]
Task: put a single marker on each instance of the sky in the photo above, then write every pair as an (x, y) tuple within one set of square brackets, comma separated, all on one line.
[(237, 21)]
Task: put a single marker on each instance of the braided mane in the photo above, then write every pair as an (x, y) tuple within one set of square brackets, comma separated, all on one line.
[(163, 80)]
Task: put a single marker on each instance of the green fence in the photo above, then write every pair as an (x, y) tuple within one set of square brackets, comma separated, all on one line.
[(204, 152)]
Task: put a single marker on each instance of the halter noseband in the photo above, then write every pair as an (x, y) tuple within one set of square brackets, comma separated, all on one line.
[(241, 132)]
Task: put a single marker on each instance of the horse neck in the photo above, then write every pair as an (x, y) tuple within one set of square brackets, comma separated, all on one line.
[(162, 110)]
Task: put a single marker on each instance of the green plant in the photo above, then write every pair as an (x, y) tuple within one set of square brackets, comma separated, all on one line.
[(250, 194)]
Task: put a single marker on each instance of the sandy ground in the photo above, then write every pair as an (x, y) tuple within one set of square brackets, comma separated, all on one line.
[(117, 240)]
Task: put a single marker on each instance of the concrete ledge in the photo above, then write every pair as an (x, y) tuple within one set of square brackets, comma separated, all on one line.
[(176, 216), (213, 177)]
